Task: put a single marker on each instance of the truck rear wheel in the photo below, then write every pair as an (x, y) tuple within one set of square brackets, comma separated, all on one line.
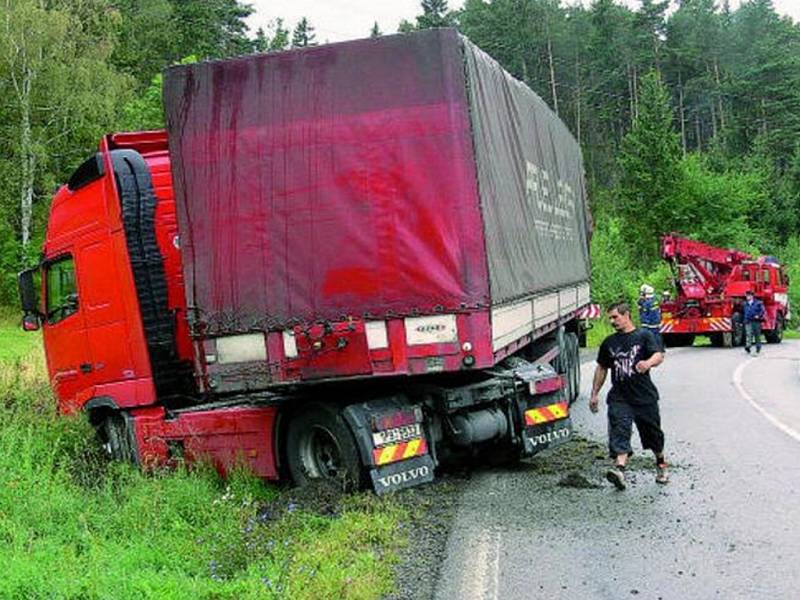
[(678, 340), (723, 339), (775, 336), (573, 368), (321, 448), (568, 364)]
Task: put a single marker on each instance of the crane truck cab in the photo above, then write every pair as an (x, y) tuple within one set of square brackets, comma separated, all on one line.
[(711, 283)]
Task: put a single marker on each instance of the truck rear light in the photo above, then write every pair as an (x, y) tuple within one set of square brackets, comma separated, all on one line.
[(377, 336), (545, 386), (397, 419), (289, 344)]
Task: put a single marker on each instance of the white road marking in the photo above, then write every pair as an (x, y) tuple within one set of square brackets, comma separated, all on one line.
[(475, 571), (481, 579), (494, 582), (737, 382)]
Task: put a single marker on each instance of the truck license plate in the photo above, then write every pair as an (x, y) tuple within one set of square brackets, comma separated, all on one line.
[(396, 434)]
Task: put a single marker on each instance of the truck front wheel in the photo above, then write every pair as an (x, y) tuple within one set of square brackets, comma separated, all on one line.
[(116, 438), (321, 448)]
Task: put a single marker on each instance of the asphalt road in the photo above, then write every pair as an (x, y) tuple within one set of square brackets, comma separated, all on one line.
[(726, 526)]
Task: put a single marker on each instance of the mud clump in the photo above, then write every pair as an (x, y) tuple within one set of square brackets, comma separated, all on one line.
[(577, 480)]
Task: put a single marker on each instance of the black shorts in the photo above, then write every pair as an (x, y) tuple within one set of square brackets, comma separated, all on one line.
[(622, 416)]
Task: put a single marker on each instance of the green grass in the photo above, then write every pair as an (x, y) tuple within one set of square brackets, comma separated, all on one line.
[(600, 330), (73, 525), (14, 342)]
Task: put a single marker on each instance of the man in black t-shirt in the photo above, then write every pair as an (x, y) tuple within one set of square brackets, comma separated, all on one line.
[(630, 353)]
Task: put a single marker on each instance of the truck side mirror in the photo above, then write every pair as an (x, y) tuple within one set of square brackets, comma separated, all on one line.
[(29, 298)]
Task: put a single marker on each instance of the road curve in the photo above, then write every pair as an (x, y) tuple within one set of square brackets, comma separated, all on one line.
[(727, 525)]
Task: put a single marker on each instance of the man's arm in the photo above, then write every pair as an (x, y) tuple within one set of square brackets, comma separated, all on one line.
[(643, 366), (600, 373)]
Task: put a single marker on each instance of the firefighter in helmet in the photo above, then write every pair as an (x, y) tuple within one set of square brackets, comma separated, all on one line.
[(650, 312)]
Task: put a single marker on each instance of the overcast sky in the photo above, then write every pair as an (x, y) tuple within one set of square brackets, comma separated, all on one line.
[(336, 20)]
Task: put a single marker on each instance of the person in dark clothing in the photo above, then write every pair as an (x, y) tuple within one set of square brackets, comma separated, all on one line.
[(754, 314), (629, 353), (650, 312)]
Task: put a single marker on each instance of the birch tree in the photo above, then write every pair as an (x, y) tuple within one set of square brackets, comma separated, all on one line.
[(60, 95)]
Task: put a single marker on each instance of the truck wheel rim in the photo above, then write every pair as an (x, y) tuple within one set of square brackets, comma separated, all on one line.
[(321, 455)]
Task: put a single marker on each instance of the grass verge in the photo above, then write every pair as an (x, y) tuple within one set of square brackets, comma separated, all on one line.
[(73, 525)]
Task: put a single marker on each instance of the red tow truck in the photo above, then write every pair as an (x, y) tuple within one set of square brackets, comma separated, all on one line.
[(352, 262), (711, 284)]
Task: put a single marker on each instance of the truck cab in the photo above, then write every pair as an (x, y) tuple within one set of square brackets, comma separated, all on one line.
[(110, 251)]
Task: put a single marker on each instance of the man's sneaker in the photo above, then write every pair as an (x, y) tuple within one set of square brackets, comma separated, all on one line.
[(617, 477), (662, 474)]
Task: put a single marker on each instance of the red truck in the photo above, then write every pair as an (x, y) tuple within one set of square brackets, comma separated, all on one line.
[(711, 284), (353, 262)]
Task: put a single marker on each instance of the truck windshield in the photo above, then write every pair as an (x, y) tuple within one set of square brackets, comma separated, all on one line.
[(61, 290)]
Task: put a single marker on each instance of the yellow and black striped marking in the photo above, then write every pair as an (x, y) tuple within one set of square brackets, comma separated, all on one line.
[(546, 414)]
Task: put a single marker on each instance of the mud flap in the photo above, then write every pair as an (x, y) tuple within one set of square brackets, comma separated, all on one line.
[(393, 443), (545, 412), (547, 435), (403, 474)]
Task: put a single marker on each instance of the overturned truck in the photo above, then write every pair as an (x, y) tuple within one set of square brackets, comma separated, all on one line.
[(353, 262)]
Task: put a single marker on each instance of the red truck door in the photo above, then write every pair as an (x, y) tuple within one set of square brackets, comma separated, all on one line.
[(65, 329)]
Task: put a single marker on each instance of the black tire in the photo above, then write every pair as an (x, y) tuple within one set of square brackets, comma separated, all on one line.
[(501, 455), (678, 340), (568, 364), (722, 339), (775, 336), (727, 339), (116, 438), (583, 341), (321, 448), (738, 329)]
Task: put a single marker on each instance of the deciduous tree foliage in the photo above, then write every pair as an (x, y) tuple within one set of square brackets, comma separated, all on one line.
[(58, 93)]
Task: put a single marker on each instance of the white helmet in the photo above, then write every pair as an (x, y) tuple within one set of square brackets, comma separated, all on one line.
[(647, 290)]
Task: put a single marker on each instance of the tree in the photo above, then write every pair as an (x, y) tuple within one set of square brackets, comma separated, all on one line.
[(146, 38), (303, 34), (277, 40), (210, 28), (152, 34), (406, 26), (435, 13), (649, 161), (52, 66), (146, 109), (375, 32)]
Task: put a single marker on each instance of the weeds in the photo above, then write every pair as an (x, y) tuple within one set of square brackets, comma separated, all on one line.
[(74, 525)]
